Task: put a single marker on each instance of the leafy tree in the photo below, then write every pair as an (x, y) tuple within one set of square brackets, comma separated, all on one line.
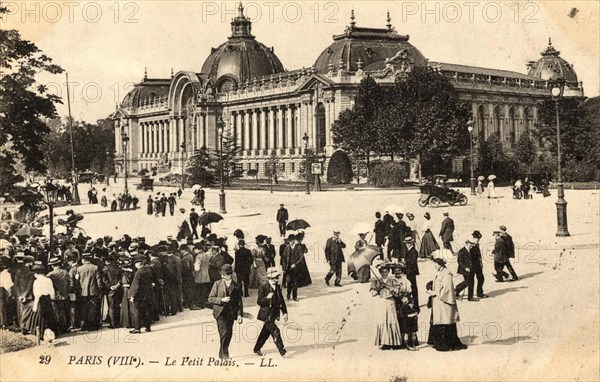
[(253, 173), (25, 105), (231, 157), (310, 153), (272, 168), (200, 167), (355, 130), (525, 151), (492, 154), (339, 170)]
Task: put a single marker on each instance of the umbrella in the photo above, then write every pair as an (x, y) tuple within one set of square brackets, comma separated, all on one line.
[(196, 187), (491, 177), (481, 177), (209, 218), (25, 230), (362, 227), (297, 224), (363, 256)]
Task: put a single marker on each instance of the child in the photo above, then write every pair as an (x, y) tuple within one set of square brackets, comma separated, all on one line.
[(409, 322)]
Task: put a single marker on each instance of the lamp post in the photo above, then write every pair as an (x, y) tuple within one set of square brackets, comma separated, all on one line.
[(108, 152), (125, 139), (182, 165), (473, 181), (50, 196), (307, 169), (557, 88), (220, 127)]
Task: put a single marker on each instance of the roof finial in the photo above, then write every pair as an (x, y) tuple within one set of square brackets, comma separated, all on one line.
[(549, 41), (389, 22), (145, 73), (240, 10), (172, 75), (352, 18)]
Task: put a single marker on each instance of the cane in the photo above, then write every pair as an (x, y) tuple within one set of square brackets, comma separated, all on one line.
[(101, 309), (162, 291)]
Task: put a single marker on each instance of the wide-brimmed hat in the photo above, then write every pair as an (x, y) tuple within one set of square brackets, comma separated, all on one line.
[(242, 242), (54, 261), (273, 273), (477, 235), (38, 268), (409, 240), (86, 255), (227, 269), (139, 258), (336, 232)]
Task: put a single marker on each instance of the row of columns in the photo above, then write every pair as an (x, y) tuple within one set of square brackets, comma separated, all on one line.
[(492, 118), (167, 136), (273, 127)]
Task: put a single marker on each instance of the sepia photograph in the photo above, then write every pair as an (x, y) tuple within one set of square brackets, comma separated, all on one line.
[(299, 190)]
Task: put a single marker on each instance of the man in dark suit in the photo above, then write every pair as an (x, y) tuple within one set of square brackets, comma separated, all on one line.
[(397, 234), (226, 297), (141, 295), (173, 282), (380, 232), (334, 255), (272, 304), (447, 231), (465, 268), (243, 263), (477, 264), (194, 222), (111, 278), (412, 268), (90, 280), (510, 252), (282, 218), (500, 257), (270, 253), (292, 258)]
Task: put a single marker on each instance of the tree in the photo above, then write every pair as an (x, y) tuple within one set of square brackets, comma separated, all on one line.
[(272, 168), (525, 151), (339, 170), (355, 130), (200, 167), (310, 153), (25, 105), (492, 154), (231, 157)]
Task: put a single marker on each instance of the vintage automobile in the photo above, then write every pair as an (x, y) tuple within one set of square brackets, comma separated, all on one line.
[(434, 195), (146, 184)]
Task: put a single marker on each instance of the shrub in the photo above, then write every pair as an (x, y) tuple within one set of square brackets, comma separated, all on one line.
[(388, 174), (578, 171), (339, 170)]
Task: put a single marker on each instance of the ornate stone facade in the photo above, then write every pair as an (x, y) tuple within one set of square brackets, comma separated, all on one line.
[(269, 110)]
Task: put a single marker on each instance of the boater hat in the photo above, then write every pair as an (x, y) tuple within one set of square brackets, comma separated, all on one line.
[(272, 273)]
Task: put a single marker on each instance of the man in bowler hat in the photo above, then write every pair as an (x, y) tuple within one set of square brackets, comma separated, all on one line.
[(272, 304)]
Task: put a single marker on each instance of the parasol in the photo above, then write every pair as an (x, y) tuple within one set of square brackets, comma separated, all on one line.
[(196, 187), (363, 256), (481, 177), (491, 177), (297, 224), (209, 218), (26, 230)]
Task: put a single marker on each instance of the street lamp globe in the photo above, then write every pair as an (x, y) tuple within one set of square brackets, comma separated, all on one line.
[(557, 86)]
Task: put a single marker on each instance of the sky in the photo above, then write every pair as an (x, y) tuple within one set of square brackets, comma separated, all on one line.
[(105, 46)]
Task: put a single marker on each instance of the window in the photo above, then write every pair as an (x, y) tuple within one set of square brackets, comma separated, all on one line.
[(293, 169)]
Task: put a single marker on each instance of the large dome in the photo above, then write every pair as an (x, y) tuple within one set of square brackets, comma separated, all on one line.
[(552, 63), (241, 58), (370, 46), (149, 91)]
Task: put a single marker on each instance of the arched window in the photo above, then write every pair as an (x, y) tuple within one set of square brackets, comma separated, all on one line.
[(481, 133), (496, 120), (321, 131), (511, 125)]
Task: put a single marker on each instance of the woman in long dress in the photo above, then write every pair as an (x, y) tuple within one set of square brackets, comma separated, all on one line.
[(43, 293), (384, 289), (363, 274), (428, 242), (126, 279), (491, 188), (443, 334), (302, 274), (258, 274)]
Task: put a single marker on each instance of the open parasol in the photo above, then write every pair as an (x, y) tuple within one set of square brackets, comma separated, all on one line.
[(363, 256), (196, 187), (481, 177), (297, 224), (491, 177), (209, 218)]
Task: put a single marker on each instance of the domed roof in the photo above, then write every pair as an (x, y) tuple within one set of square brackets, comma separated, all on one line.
[(241, 58), (147, 92), (552, 63), (370, 46)]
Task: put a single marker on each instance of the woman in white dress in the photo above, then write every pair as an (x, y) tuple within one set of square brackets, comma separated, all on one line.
[(491, 188), (384, 289)]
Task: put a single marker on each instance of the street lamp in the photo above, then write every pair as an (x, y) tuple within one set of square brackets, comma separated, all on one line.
[(557, 88), (182, 166), (305, 139), (125, 139), (108, 153), (50, 197), (220, 127), (473, 181)]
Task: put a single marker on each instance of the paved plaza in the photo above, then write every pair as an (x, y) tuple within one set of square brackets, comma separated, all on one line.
[(536, 327)]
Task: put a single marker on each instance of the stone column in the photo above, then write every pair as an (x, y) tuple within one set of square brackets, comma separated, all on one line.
[(254, 143), (273, 142), (288, 128), (246, 140), (280, 128), (239, 117), (264, 133)]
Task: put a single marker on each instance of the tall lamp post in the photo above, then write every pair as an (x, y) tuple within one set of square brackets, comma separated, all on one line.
[(557, 88), (220, 127), (50, 196), (473, 180), (307, 169), (125, 139), (108, 153)]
